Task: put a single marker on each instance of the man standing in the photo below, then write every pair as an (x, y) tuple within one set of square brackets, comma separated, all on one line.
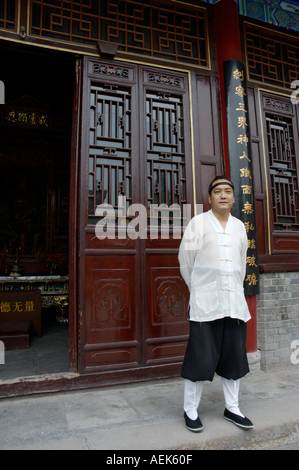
[(213, 264)]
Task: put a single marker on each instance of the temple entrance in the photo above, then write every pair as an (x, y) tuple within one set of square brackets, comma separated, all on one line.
[(35, 149), (135, 166), (97, 169)]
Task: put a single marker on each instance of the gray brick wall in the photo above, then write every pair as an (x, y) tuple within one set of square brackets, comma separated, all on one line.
[(278, 320)]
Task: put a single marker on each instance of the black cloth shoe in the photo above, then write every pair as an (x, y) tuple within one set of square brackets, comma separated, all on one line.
[(193, 425), (243, 423)]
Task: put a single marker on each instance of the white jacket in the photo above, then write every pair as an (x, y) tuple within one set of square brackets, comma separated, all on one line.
[(213, 265)]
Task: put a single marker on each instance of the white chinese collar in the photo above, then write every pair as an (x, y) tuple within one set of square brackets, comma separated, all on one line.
[(217, 225)]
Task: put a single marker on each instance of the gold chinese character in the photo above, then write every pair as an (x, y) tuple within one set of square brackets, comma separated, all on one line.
[(23, 117), (251, 278), (251, 261), (242, 122), (11, 116), (244, 156), (17, 307), (32, 118), (252, 244), (5, 307), (237, 74), (245, 173), (240, 91), (29, 306), (241, 108), (248, 226), (248, 208), (242, 139), (246, 189), (42, 120)]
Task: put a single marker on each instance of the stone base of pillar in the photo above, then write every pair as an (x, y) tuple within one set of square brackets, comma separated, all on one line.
[(254, 360)]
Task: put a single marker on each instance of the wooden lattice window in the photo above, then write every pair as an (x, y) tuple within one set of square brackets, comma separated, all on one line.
[(148, 27), (283, 172), (8, 14), (272, 58), (110, 166), (167, 31), (114, 158), (165, 154)]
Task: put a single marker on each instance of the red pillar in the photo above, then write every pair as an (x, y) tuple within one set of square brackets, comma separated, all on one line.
[(228, 45)]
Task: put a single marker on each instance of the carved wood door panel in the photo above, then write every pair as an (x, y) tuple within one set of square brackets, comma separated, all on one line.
[(134, 175), (167, 155)]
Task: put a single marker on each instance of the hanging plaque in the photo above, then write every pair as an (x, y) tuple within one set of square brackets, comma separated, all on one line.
[(240, 155), (22, 117)]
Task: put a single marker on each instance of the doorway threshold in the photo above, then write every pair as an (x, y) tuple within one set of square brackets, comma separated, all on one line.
[(72, 381), (37, 384)]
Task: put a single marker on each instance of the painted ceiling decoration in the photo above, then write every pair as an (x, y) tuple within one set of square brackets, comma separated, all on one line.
[(283, 13)]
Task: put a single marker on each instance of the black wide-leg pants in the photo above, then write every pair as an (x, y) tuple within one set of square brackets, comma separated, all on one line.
[(216, 347)]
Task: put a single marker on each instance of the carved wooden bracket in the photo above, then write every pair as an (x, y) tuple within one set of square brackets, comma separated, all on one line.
[(107, 49)]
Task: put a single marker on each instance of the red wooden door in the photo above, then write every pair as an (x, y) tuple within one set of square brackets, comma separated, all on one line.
[(135, 164)]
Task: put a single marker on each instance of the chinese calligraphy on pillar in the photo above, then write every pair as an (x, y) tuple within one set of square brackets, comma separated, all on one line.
[(240, 155)]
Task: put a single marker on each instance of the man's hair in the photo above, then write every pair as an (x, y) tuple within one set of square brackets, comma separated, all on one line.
[(222, 177)]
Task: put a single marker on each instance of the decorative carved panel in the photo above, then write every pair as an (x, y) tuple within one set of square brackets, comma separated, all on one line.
[(164, 79), (110, 71), (283, 172), (272, 57), (168, 328), (170, 31), (104, 358), (278, 104), (74, 21), (178, 34), (275, 156), (111, 299), (165, 156), (168, 295), (110, 331), (109, 148)]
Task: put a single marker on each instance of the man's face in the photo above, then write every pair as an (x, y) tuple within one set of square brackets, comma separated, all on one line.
[(222, 197)]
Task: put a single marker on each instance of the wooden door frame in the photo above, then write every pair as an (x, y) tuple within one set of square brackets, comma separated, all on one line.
[(73, 380), (170, 247), (77, 179), (86, 249), (74, 220)]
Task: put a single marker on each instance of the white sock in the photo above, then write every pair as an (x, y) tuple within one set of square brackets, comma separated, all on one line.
[(231, 395), (192, 396)]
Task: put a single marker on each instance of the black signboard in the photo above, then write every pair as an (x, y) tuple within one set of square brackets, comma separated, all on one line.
[(240, 155), (24, 117)]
